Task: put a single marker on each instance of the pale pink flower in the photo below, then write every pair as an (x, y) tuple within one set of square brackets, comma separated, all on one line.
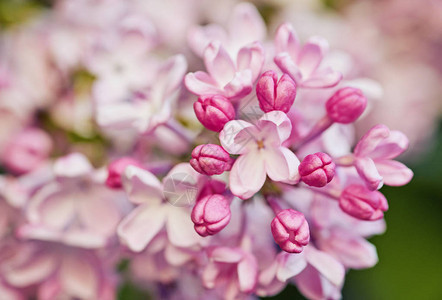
[(153, 213), (374, 154), (232, 268), (76, 208), (261, 153), (230, 76), (244, 26), (58, 272), (304, 64), (142, 106)]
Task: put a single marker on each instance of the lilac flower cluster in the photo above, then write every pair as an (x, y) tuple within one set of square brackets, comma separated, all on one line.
[(226, 183)]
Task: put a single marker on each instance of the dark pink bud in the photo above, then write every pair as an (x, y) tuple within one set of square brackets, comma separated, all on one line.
[(116, 168), (211, 187), (360, 202), (290, 230), (211, 214), (273, 94), (317, 169), (26, 151), (346, 105), (210, 159), (214, 111)]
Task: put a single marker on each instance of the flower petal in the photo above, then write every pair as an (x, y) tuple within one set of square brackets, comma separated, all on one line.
[(288, 66), (328, 266), (369, 173), (235, 136), (368, 143), (218, 63), (394, 173), (142, 186), (141, 225), (180, 229), (286, 40), (282, 122), (200, 83), (247, 273), (251, 57), (247, 175)]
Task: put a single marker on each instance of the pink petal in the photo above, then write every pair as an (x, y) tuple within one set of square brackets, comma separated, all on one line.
[(275, 164), (79, 278), (142, 186), (309, 58), (218, 63), (225, 255), (371, 140), (200, 37), (322, 79), (328, 266), (286, 40), (369, 173), (200, 83), (247, 175), (391, 147), (251, 57), (141, 226), (118, 115), (239, 86), (288, 66), (72, 165), (282, 122), (246, 25), (394, 173), (33, 271), (99, 213), (293, 163), (313, 286), (234, 137), (170, 74), (247, 273), (353, 251), (292, 266), (180, 229)]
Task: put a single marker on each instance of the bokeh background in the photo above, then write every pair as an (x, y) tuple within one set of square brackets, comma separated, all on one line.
[(400, 41)]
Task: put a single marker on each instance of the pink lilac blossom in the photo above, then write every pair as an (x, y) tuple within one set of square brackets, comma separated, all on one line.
[(227, 182)]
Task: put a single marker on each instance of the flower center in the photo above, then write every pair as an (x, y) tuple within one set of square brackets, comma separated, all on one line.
[(260, 144)]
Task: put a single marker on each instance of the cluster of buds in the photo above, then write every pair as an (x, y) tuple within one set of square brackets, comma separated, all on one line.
[(255, 188)]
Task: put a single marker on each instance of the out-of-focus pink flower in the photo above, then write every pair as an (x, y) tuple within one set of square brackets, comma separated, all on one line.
[(290, 230), (150, 103), (244, 27), (273, 94), (303, 64), (230, 77), (211, 214), (27, 151), (261, 152), (361, 203), (373, 158), (346, 105), (76, 208), (233, 268), (214, 111), (317, 169), (210, 159), (116, 168), (59, 272), (153, 213)]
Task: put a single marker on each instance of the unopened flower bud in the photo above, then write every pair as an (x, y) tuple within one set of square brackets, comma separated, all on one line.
[(116, 168), (211, 187), (26, 151), (346, 105), (290, 230), (211, 214), (214, 111), (210, 159), (273, 94), (317, 169), (360, 202)]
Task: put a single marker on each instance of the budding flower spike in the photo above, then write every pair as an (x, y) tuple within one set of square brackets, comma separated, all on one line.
[(226, 173)]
